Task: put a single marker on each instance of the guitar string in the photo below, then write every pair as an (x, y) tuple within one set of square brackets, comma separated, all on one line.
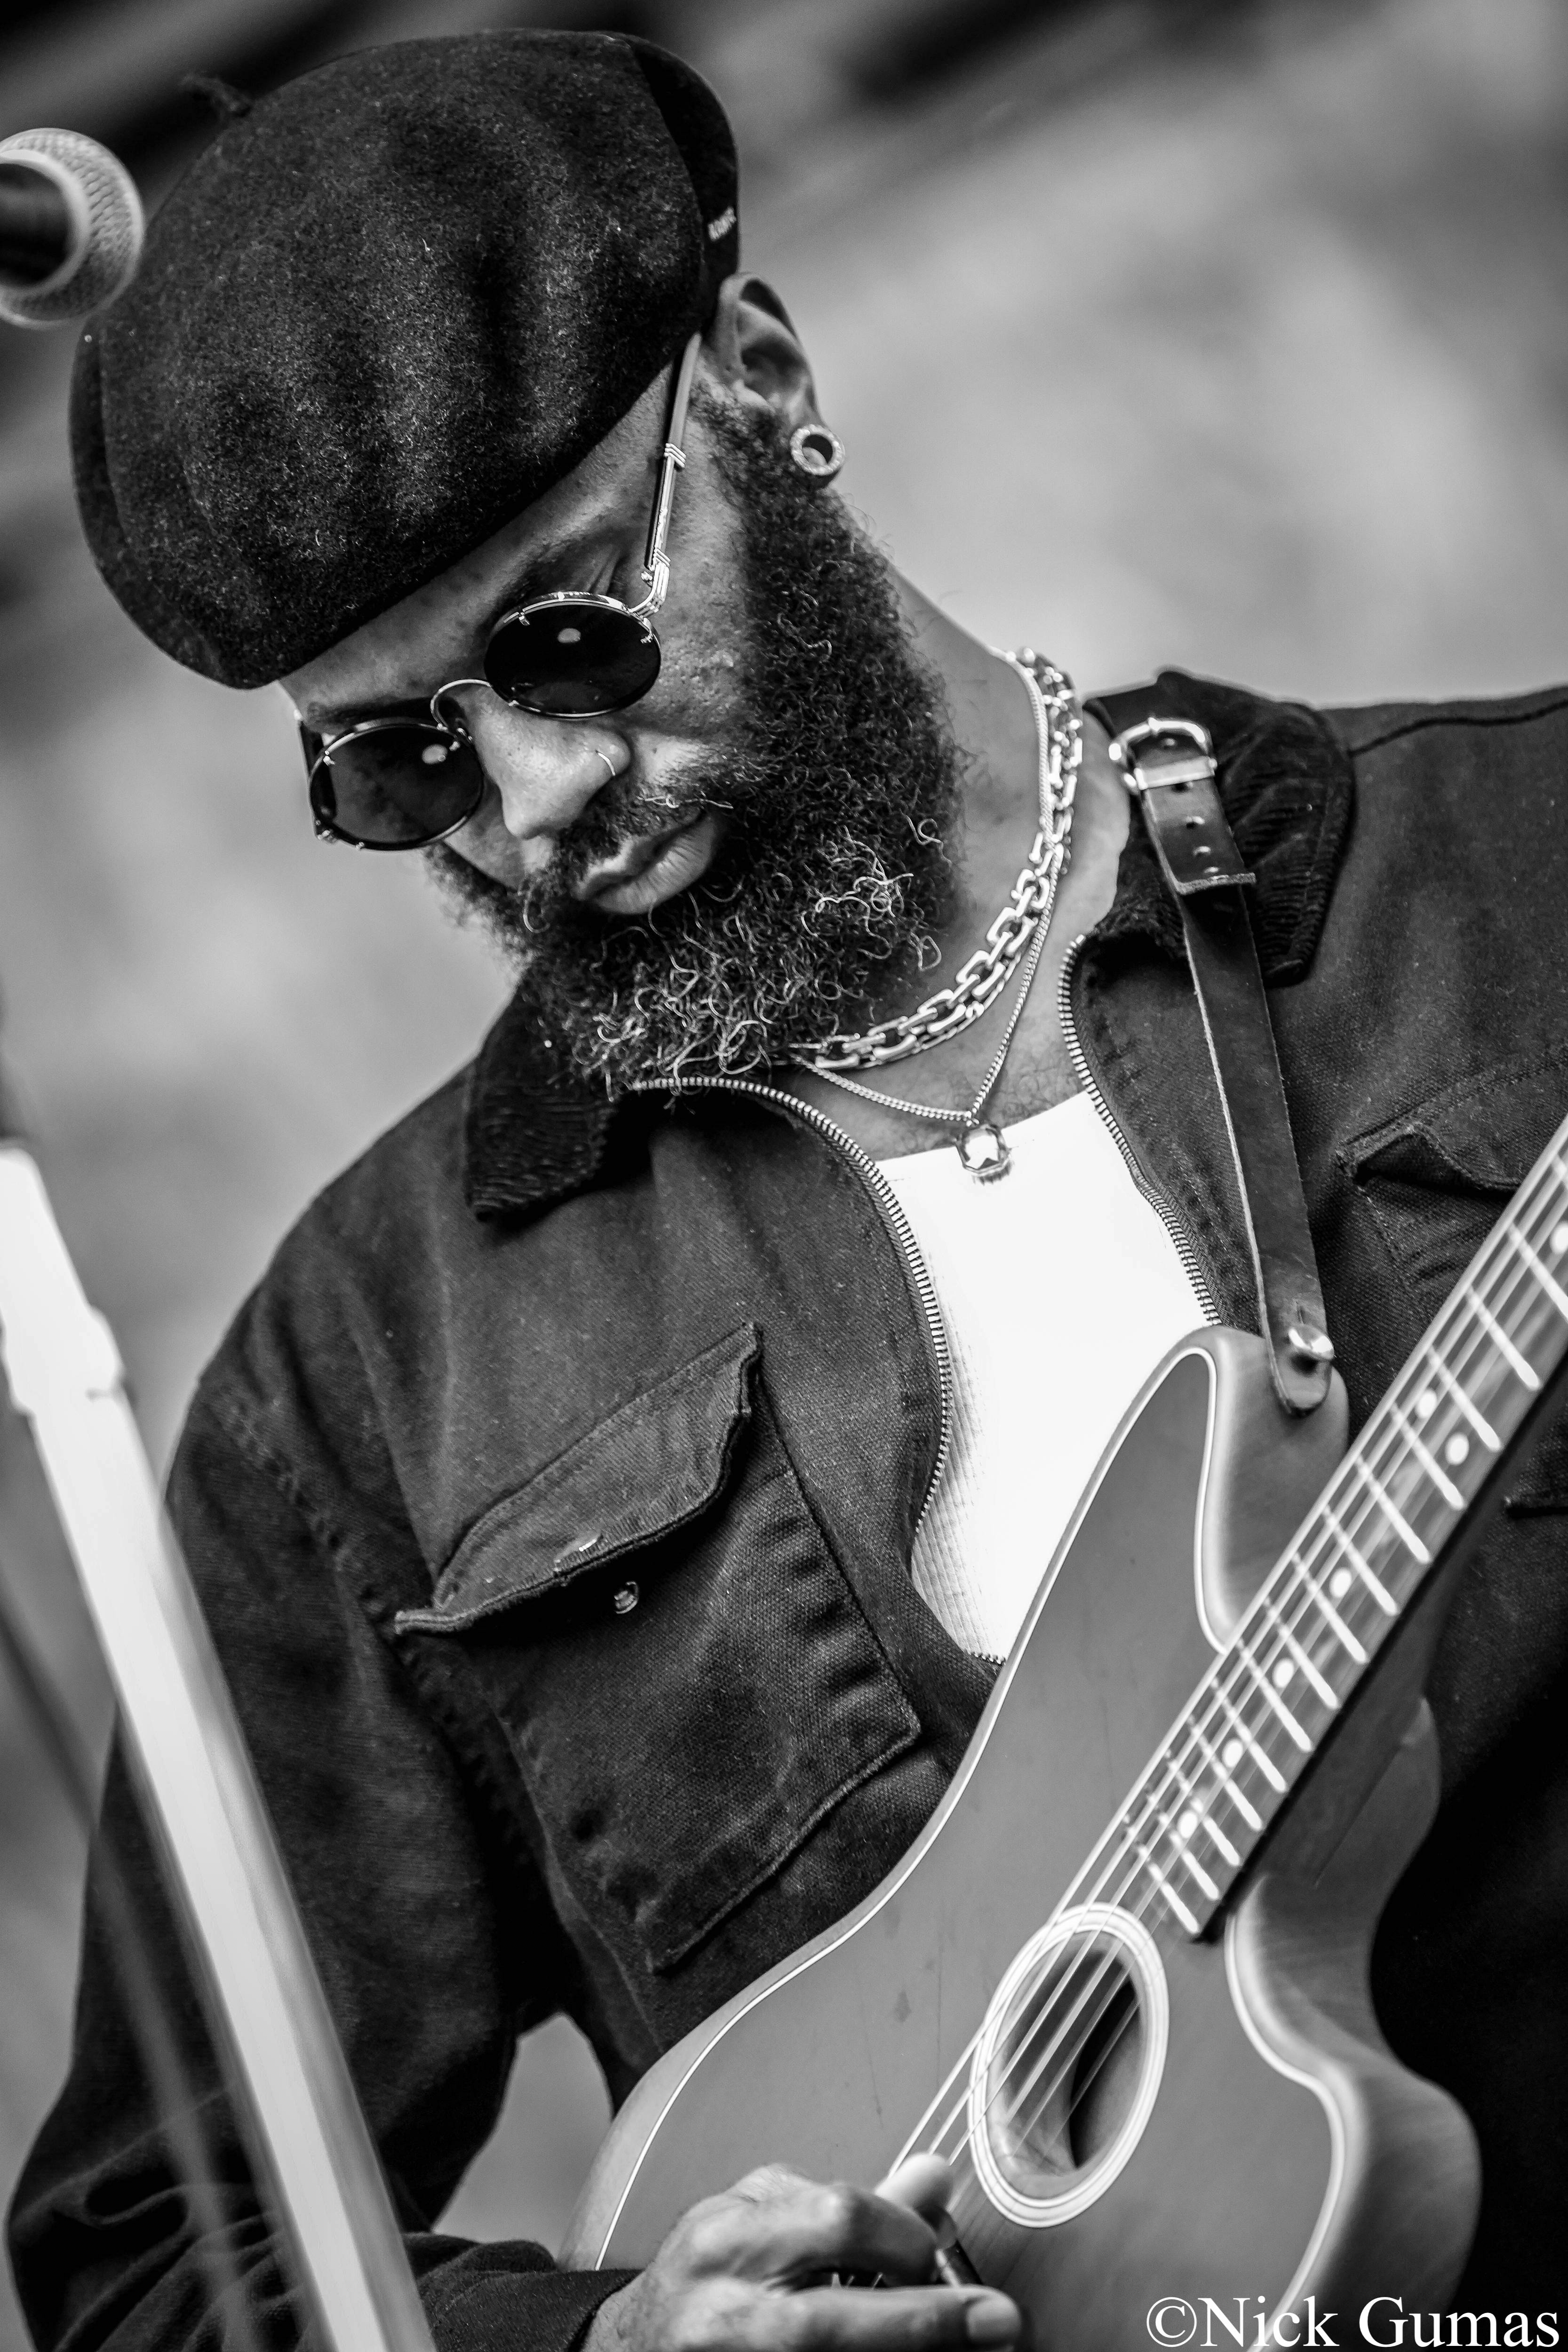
[(1072, 2032), (1072, 2025), (1066, 1959), (1158, 1800), (1539, 1300)]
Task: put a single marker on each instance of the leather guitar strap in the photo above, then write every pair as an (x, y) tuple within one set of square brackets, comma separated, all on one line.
[(1169, 767)]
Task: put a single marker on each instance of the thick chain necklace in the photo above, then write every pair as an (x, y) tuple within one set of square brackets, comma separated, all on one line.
[(980, 1144), (982, 978)]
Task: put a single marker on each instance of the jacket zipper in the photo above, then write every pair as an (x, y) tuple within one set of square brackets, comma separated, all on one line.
[(1164, 1209), (893, 1217)]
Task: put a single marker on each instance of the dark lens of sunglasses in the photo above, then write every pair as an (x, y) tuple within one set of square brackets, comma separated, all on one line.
[(397, 787), (572, 661)]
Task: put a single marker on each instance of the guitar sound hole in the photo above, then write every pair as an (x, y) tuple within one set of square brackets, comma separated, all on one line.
[(1066, 2069), (1068, 2065)]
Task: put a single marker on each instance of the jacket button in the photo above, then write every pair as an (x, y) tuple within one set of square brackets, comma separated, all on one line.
[(627, 1600)]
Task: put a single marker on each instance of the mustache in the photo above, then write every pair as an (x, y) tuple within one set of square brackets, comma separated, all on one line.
[(629, 810)]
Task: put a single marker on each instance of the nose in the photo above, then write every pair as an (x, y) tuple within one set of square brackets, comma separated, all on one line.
[(542, 773)]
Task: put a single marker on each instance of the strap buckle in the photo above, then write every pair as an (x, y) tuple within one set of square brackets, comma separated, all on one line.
[(1194, 766), (1160, 757)]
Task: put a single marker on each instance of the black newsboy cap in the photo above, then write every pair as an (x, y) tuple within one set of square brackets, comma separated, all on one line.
[(383, 311)]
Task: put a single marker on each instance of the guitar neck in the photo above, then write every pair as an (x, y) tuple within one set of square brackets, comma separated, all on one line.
[(1380, 1529)]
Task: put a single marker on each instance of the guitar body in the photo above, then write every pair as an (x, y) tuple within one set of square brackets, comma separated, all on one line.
[(1247, 2134)]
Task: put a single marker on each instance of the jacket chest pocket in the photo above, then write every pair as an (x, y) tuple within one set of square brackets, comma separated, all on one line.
[(683, 1672), (1437, 1180)]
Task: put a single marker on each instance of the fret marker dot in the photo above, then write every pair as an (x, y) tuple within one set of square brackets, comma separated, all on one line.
[(1187, 1824), (1425, 1404), (1282, 1673), (1457, 1450), (1340, 1582), (1231, 1751), (1559, 1240)]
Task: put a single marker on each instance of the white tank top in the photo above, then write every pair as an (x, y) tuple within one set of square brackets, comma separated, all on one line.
[(1061, 1289)]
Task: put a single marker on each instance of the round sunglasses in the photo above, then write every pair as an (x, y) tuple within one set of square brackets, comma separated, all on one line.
[(403, 783)]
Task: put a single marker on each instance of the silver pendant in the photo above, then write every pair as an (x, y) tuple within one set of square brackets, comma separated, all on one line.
[(983, 1151)]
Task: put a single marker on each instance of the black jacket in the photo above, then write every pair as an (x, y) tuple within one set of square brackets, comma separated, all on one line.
[(533, 1345)]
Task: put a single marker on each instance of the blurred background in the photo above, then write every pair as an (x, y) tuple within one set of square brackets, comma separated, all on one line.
[(1231, 333)]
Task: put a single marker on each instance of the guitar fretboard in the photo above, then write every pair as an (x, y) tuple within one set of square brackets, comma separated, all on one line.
[(1352, 1568)]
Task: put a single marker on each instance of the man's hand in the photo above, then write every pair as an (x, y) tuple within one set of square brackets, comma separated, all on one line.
[(751, 2272)]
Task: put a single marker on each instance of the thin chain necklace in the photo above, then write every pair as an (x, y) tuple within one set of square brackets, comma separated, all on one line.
[(979, 982), (980, 1142)]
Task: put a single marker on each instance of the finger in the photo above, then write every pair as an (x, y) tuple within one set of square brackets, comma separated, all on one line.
[(769, 2180), (897, 2319), (923, 2183), (808, 2228)]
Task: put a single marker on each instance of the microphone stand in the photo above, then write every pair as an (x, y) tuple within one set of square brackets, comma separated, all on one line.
[(264, 1998)]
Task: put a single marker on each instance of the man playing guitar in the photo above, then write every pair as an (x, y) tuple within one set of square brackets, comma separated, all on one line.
[(614, 1503)]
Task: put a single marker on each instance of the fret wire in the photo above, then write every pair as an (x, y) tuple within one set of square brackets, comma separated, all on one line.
[(1190, 1730), (1342, 1632), (1543, 1295), (1534, 1207), (1440, 1374), (1292, 1568), (1238, 1797), (1378, 1590), (1523, 1369), (1324, 1689), (1461, 1395), (1230, 1853), (1395, 1426), (1328, 1536), (1535, 1202), (1256, 1650), (1468, 1367), (1401, 1526), (1185, 1855), (1186, 1800), (1293, 1729), (1390, 1473), (1510, 1292), (1391, 1429), (1264, 1762), (1295, 1577), (1552, 1288), (1144, 1800), (1445, 1437), (1434, 1471), (1279, 1643), (1163, 1886), (1180, 1842), (1431, 1415)]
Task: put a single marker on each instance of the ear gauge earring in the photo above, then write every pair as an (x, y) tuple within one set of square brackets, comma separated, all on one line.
[(816, 451)]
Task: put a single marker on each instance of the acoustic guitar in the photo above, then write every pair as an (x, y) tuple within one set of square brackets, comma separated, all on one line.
[(1121, 1979)]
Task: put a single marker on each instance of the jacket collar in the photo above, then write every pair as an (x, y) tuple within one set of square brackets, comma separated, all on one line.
[(534, 1135)]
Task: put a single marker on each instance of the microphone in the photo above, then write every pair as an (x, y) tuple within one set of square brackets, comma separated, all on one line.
[(71, 228)]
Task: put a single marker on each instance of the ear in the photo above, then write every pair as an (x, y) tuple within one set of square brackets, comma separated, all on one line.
[(754, 350)]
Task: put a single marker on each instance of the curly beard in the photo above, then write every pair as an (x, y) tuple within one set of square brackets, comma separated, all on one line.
[(833, 875)]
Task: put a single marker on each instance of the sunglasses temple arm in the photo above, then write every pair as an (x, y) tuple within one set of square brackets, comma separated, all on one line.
[(655, 562)]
